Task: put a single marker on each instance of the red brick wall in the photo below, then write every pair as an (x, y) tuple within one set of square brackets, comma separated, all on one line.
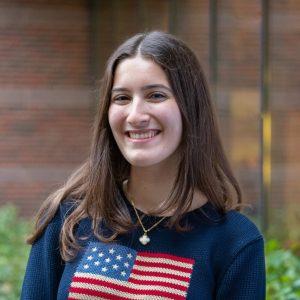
[(45, 101), (51, 51), (238, 89), (193, 27), (117, 20)]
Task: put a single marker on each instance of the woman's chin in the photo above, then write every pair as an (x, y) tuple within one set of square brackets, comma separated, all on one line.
[(142, 161)]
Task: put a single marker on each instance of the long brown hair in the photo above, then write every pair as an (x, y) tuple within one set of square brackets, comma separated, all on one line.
[(94, 186)]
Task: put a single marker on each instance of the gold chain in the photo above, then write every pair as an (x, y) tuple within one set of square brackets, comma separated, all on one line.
[(143, 239), (145, 230)]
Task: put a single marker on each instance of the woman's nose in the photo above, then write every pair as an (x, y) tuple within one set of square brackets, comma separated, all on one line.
[(137, 113)]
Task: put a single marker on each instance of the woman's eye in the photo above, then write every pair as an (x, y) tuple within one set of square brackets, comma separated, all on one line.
[(157, 96), (120, 98)]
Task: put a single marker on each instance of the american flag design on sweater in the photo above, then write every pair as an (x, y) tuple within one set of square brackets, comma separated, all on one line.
[(112, 271)]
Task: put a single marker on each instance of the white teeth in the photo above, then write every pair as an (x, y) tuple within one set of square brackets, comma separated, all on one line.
[(145, 135)]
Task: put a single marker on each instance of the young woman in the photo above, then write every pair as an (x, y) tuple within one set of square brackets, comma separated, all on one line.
[(153, 212)]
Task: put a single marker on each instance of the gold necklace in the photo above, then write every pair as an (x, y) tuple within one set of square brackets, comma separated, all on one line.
[(144, 239)]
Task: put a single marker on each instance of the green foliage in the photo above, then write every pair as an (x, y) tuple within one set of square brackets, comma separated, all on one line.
[(283, 272), (13, 252)]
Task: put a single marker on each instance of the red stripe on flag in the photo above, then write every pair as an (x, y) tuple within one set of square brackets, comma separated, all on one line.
[(117, 286), (163, 265), (168, 256), (89, 292), (158, 274)]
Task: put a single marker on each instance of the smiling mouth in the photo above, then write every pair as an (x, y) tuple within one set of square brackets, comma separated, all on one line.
[(142, 135)]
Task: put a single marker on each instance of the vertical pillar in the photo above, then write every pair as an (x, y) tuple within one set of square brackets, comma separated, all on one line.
[(265, 119)]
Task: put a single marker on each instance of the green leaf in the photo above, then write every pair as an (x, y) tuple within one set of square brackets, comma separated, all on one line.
[(13, 252)]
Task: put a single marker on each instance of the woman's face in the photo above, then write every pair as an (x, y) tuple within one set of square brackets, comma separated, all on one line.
[(143, 115)]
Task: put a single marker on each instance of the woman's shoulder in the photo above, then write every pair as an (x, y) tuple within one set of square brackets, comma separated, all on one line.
[(238, 232), (232, 230), (241, 225), (53, 224), (232, 223), (67, 206)]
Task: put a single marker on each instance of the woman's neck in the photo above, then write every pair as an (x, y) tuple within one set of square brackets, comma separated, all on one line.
[(150, 187)]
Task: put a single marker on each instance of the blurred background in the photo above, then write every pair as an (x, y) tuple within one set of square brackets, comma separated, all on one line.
[(53, 55)]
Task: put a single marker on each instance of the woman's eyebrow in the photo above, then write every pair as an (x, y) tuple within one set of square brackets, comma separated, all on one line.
[(145, 87), (119, 89), (153, 86)]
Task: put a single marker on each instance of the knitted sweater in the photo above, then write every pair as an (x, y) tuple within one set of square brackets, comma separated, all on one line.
[(221, 258)]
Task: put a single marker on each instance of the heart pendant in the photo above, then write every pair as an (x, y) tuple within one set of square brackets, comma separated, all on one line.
[(144, 239)]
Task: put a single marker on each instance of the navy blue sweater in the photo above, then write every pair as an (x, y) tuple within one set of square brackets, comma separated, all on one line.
[(221, 258)]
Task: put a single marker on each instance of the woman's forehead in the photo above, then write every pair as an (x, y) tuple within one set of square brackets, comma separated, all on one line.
[(139, 71)]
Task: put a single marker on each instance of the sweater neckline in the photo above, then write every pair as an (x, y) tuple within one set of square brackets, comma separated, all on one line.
[(207, 211)]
